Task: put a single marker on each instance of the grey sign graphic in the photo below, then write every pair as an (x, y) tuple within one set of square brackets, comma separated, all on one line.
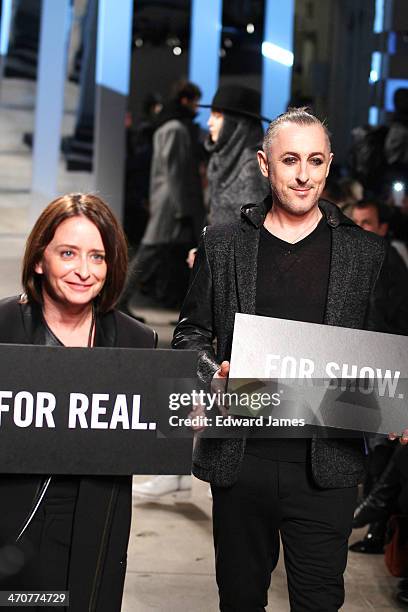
[(326, 376)]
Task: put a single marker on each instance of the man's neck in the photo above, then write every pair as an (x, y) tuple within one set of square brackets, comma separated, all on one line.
[(291, 228)]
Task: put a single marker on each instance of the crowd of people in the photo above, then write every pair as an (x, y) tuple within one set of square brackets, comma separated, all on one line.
[(279, 238)]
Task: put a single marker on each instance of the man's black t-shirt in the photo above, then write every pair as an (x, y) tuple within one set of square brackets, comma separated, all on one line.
[(292, 283)]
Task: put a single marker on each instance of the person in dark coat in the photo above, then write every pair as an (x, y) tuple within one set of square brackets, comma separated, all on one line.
[(70, 533), (235, 135), (292, 256), (176, 205), (396, 141)]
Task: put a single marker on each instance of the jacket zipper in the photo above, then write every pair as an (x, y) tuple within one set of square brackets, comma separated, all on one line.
[(38, 497), (102, 550)]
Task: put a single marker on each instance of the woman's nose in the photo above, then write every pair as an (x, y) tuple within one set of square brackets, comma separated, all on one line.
[(83, 268)]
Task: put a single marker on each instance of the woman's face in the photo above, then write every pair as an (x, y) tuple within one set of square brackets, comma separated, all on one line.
[(73, 265), (215, 123)]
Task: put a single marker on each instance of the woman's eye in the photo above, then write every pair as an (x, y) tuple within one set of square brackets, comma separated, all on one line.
[(98, 257), (66, 254)]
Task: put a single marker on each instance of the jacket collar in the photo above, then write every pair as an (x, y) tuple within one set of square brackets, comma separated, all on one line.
[(341, 267), (256, 213), (33, 322)]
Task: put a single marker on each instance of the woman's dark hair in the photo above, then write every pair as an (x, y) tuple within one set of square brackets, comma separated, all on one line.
[(113, 238)]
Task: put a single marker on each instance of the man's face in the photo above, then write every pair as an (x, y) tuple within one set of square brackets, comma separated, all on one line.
[(191, 104), (368, 219), (297, 165)]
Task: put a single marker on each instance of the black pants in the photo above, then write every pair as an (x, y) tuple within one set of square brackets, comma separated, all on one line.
[(44, 550), (273, 497)]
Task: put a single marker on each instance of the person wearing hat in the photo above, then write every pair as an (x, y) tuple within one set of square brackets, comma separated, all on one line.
[(235, 135)]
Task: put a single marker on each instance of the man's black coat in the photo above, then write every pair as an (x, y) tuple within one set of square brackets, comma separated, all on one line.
[(363, 293)]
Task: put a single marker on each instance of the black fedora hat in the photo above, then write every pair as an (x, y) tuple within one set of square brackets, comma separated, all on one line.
[(237, 99)]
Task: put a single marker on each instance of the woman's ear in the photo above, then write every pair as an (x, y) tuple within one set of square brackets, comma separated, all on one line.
[(38, 268)]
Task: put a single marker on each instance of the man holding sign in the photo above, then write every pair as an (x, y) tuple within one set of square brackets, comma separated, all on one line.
[(292, 256)]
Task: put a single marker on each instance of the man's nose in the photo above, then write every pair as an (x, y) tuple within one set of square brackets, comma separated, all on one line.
[(303, 173)]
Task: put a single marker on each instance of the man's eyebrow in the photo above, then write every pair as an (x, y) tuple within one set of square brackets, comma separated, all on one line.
[(296, 154)]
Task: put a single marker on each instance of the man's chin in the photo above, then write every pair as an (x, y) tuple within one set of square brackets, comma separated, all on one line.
[(298, 209)]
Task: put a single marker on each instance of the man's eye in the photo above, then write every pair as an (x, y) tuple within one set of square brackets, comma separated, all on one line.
[(289, 160), (316, 161)]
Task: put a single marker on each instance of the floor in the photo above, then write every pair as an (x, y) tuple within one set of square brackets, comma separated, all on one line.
[(170, 563)]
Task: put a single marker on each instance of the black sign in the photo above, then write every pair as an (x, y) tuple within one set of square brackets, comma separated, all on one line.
[(92, 411)]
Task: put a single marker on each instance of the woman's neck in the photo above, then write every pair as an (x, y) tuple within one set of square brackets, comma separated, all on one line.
[(72, 325), (65, 315)]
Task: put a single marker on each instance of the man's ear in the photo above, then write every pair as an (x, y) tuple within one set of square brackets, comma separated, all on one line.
[(383, 229), (329, 164), (38, 268), (263, 163)]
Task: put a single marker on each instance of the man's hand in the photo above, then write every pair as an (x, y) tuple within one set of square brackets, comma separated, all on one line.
[(403, 438), (198, 411), (219, 384), (191, 257), (223, 370)]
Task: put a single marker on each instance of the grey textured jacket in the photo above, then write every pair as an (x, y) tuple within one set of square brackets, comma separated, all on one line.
[(361, 286), (234, 177), (175, 199)]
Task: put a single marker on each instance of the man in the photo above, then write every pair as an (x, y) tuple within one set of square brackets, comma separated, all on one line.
[(375, 217), (176, 208), (295, 257)]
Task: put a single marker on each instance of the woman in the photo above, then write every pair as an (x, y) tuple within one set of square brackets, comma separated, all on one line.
[(235, 135), (74, 269)]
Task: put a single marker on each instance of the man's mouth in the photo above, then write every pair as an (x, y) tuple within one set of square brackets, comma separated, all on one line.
[(302, 192)]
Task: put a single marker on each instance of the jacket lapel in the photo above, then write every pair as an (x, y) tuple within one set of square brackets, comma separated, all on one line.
[(246, 255), (341, 272)]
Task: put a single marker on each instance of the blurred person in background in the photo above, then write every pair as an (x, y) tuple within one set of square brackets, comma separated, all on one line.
[(235, 135), (176, 208), (379, 154), (344, 192), (139, 149), (374, 216), (396, 141)]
